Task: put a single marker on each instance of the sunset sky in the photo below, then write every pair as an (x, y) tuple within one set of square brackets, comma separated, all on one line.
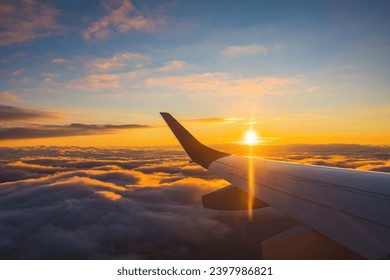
[(99, 72)]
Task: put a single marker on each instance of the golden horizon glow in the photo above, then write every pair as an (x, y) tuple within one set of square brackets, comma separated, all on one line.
[(270, 132)]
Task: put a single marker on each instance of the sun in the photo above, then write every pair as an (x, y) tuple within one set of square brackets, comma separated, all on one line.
[(251, 138)]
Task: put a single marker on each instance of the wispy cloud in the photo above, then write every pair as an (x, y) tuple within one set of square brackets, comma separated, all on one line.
[(7, 97), (123, 17), (224, 83), (97, 81), (49, 77), (59, 60), (245, 50), (119, 60), (46, 131), (18, 72), (172, 66), (26, 20), (10, 113), (24, 80)]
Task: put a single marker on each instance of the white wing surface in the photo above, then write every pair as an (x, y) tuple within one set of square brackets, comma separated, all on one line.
[(350, 207)]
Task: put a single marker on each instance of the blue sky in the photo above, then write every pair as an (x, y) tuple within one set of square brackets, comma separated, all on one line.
[(320, 63)]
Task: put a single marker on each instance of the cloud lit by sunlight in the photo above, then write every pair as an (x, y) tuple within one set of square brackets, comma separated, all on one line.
[(99, 203)]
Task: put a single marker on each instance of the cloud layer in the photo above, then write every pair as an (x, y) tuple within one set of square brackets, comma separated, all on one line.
[(96, 203), (45, 131), (73, 203)]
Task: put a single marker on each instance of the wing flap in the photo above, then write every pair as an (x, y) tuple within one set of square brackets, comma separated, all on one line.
[(231, 198)]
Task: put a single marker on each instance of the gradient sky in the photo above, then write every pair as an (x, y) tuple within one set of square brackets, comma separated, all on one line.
[(99, 72)]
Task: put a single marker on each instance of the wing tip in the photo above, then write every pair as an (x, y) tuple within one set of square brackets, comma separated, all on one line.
[(198, 152)]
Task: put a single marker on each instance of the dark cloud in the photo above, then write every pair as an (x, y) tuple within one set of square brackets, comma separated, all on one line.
[(97, 203), (45, 131), (10, 113)]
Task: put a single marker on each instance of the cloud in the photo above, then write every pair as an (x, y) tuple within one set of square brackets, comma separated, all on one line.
[(97, 81), (370, 158), (49, 77), (244, 50), (18, 72), (10, 113), (225, 84), (75, 129), (7, 97), (172, 66), (24, 80), (123, 17), (36, 168), (112, 203), (247, 50), (119, 60), (117, 213), (26, 20), (59, 60)]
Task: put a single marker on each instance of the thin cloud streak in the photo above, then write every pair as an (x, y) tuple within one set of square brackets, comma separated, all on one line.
[(225, 84), (59, 60), (119, 60), (120, 18), (245, 50), (11, 113), (46, 131), (172, 66), (101, 78)]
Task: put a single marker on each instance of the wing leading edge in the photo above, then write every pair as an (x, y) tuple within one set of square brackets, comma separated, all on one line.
[(349, 207)]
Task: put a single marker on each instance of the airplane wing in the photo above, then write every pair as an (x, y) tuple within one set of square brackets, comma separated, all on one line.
[(338, 208)]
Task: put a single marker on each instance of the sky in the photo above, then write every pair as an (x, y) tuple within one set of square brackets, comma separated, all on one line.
[(97, 73), (138, 203)]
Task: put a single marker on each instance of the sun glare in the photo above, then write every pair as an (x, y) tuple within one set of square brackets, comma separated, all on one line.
[(251, 138)]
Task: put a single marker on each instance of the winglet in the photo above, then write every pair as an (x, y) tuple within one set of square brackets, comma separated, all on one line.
[(198, 152)]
